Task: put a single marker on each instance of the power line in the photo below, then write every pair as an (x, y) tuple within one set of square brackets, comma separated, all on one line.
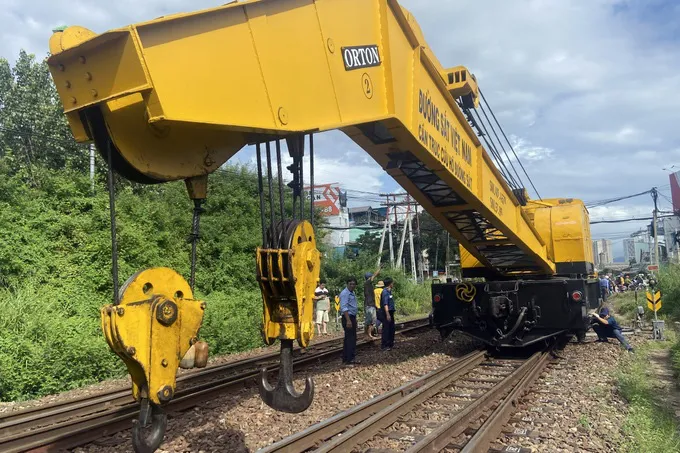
[(598, 203), (632, 219)]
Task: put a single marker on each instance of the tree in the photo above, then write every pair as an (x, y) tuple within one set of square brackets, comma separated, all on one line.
[(434, 240), (33, 128)]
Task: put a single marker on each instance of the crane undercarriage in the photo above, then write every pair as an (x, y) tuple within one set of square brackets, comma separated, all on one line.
[(515, 313)]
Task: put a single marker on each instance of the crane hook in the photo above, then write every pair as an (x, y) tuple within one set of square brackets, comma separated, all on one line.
[(284, 398), (149, 440)]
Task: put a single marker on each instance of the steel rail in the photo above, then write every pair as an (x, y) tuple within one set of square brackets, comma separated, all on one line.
[(441, 437), (348, 429), (18, 421), (493, 425), (74, 422), (330, 427), (390, 414)]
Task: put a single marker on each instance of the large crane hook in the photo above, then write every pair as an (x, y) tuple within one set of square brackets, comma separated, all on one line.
[(284, 397), (288, 272), (148, 431)]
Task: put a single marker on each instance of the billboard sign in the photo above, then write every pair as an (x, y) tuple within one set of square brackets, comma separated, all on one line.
[(675, 190), (327, 198)]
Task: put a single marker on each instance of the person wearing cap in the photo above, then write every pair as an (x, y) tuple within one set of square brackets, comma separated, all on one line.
[(369, 303), (607, 327), (377, 293)]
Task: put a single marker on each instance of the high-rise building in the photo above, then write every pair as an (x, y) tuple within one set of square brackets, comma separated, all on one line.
[(602, 252)]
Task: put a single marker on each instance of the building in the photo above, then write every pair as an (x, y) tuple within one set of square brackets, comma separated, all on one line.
[(635, 250), (670, 232), (367, 216), (602, 253)]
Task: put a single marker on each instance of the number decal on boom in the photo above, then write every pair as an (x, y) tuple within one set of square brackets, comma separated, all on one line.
[(367, 85)]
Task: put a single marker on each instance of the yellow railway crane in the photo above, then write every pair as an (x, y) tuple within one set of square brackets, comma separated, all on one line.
[(174, 98)]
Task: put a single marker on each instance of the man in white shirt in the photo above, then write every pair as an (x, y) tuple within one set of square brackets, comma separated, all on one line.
[(323, 305)]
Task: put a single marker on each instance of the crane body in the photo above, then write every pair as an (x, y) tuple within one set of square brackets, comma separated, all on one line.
[(175, 97)]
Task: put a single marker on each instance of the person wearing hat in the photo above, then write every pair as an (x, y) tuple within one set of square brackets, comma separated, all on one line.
[(369, 303), (607, 327), (377, 293)]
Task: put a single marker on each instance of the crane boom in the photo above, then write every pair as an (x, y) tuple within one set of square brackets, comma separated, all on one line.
[(179, 95)]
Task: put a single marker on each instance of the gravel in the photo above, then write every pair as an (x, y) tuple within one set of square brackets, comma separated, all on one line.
[(573, 405), (125, 383), (241, 422)]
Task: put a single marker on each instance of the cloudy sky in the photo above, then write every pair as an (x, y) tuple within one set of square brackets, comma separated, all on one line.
[(589, 90)]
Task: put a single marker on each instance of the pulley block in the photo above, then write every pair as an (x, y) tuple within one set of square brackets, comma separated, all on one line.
[(152, 328), (288, 275)]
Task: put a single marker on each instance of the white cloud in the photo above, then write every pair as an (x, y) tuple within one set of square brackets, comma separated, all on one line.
[(525, 150), (626, 135)]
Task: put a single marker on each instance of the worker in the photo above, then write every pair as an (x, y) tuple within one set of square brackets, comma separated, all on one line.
[(348, 310), (377, 293), (387, 307), (323, 305), (607, 327), (604, 288), (369, 303)]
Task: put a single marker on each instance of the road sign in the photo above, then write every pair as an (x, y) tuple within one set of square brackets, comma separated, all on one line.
[(652, 267), (337, 304), (654, 302)]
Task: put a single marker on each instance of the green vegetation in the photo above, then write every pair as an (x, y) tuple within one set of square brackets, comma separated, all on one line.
[(650, 425), (55, 265)]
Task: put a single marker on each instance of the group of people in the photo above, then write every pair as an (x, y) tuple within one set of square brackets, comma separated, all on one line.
[(379, 311), (618, 284)]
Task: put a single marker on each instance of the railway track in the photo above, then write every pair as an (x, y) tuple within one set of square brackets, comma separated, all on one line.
[(74, 422), (460, 407)]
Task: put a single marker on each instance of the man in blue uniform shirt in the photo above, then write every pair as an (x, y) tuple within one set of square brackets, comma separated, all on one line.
[(607, 327), (387, 306), (348, 310)]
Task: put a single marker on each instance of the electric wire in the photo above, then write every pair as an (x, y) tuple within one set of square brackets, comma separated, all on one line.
[(597, 203)]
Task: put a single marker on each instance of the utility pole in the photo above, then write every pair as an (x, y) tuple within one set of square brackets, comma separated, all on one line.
[(420, 249), (436, 257), (403, 238), (413, 255), (389, 230), (382, 242), (446, 266), (92, 167), (655, 197)]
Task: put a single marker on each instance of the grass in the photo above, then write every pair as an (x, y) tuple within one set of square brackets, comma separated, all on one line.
[(650, 425)]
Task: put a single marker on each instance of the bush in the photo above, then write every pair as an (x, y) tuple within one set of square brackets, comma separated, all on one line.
[(55, 268), (411, 298), (46, 346), (669, 284), (232, 321)]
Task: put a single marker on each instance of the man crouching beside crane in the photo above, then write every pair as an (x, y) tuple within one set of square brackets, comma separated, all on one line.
[(605, 326)]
